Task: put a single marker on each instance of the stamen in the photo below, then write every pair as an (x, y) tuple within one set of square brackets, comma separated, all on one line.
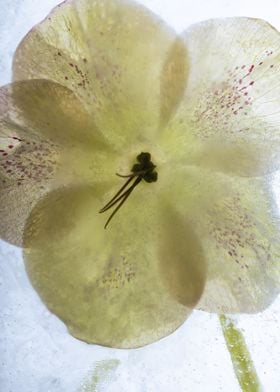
[(123, 197), (112, 203), (123, 176), (144, 170), (117, 194)]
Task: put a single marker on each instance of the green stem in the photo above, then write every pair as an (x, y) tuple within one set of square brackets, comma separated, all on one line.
[(240, 356), (102, 373)]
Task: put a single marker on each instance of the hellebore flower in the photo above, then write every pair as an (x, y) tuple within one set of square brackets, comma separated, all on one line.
[(105, 87)]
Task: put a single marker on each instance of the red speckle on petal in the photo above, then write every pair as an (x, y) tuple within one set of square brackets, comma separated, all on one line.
[(10, 146), (251, 83), (251, 68)]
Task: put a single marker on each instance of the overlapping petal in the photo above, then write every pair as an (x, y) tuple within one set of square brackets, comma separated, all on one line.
[(115, 55), (50, 111), (229, 117), (238, 224), (125, 286), (45, 138), (28, 164)]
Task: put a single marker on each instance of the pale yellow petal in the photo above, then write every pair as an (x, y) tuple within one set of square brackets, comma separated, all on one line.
[(16, 203), (111, 53), (126, 286), (46, 140), (50, 111), (238, 224), (28, 164), (229, 116), (173, 80)]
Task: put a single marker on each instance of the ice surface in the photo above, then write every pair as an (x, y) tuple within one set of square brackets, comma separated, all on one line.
[(37, 353)]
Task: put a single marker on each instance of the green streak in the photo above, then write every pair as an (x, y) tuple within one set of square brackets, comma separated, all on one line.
[(240, 356), (102, 374)]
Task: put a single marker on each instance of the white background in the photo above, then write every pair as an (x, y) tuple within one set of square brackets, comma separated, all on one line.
[(38, 355)]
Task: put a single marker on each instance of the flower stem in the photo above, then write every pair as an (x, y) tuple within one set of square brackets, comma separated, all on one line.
[(240, 356)]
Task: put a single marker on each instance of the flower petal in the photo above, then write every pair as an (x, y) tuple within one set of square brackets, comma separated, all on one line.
[(43, 131), (27, 166), (173, 80), (48, 109), (238, 224), (126, 286), (229, 116), (111, 53)]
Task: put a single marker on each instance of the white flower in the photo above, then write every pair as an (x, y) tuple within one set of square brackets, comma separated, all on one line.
[(96, 84)]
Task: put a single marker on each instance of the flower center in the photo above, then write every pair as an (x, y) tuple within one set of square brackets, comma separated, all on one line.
[(142, 170)]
